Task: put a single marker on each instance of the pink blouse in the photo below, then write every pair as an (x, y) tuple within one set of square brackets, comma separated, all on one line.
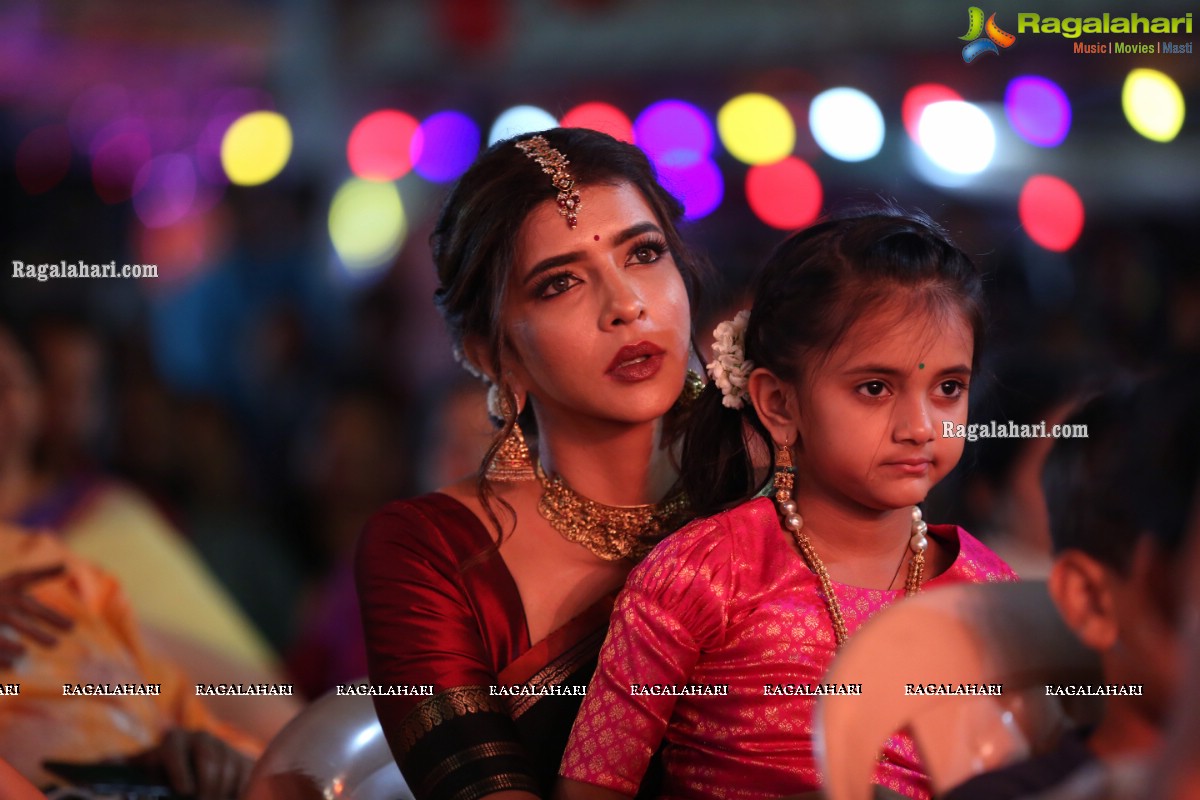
[(726, 601)]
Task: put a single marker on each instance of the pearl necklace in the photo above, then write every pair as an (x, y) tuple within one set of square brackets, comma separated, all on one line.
[(791, 520)]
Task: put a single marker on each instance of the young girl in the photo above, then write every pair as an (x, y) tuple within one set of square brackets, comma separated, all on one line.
[(860, 344), (564, 281)]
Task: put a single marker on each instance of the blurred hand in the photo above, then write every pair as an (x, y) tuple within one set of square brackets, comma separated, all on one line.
[(20, 613), (199, 764)]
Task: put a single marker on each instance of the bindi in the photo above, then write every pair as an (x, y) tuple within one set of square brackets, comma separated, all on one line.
[(596, 237)]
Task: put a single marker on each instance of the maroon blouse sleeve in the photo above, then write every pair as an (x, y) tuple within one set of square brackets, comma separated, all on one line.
[(430, 623)]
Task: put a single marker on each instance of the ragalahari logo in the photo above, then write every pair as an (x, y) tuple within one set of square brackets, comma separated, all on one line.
[(996, 38)]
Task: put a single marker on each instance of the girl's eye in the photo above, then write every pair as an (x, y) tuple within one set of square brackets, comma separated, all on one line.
[(557, 284), (952, 388), (873, 389)]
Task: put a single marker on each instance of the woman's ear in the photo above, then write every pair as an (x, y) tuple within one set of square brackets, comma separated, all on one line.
[(775, 403), (1082, 589), (475, 351)]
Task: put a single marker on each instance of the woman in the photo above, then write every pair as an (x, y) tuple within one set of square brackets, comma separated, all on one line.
[(566, 286)]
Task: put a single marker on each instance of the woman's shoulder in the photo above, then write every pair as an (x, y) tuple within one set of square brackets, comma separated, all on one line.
[(433, 526), (976, 562)]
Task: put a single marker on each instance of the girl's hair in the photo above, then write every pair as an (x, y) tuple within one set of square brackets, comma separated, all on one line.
[(474, 240), (814, 287)]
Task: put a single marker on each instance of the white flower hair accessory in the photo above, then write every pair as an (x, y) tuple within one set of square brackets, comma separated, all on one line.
[(729, 368)]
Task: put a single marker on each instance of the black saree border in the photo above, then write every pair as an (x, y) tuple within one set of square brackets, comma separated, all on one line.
[(561, 671), (460, 744)]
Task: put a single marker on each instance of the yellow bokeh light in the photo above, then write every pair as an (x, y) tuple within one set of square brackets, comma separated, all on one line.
[(756, 129), (256, 148), (1153, 104), (366, 223)]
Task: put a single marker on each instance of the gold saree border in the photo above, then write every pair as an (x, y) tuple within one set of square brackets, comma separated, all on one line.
[(443, 707)]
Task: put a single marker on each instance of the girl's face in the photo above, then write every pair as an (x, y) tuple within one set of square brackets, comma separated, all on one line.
[(871, 416), (597, 316)]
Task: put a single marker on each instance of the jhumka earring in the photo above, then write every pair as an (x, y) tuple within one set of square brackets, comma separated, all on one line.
[(693, 385), (512, 462)]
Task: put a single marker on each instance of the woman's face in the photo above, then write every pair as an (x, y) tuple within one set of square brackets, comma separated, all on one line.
[(597, 316)]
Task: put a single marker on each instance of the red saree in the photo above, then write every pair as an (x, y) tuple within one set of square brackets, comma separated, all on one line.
[(430, 621)]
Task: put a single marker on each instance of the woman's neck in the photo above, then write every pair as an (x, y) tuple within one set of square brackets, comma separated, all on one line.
[(613, 464)]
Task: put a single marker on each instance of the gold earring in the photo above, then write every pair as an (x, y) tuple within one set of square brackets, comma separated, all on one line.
[(512, 462), (785, 478)]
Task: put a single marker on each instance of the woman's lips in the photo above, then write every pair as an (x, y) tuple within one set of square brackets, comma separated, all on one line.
[(636, 362)]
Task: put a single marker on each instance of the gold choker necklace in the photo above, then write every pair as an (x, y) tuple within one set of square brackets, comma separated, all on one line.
[(610, 532)]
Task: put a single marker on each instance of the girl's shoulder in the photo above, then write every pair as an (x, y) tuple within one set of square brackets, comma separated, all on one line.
[(975, 562), (712, 548)]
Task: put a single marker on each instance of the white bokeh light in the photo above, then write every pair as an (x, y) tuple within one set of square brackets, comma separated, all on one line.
[(847, 124), (518, 120), (957, 137)]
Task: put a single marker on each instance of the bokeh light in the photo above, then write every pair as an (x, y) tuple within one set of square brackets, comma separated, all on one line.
[(367, 224), (381, 145), (847, 124), (674, 134), (1038, 110), (1153, 104), (600, 117), (95, 108), (786, 194), (756, 129), (920, 96), (118, 153), (164, 190), (182, 250), (1051, 212), (699, 186), (518, 120), (256, 148), (43, 158), (449, 143), (957, 137)]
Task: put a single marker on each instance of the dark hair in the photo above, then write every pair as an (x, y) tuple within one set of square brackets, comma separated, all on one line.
[(811, 290), (1134, 473), (474, 240)]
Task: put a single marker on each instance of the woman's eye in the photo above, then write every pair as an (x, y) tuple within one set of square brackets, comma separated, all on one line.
[(647, 253), (873, 389), (557, 284)]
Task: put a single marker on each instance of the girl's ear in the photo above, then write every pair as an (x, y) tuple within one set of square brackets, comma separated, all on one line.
[(775, 403)]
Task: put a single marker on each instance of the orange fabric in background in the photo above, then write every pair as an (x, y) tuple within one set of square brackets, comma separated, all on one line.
[(104, 647)]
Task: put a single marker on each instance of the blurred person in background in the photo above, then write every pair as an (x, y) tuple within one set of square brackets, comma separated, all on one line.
[(355, 463), (65, 622), (186, 612), (1120, 502)]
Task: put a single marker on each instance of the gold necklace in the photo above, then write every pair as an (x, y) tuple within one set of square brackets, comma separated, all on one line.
[(610, 532), (791, 520)]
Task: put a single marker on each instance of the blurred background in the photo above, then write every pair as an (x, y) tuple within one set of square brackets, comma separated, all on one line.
[(281, 162)]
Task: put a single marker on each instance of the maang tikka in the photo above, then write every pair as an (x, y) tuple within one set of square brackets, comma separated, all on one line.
[(554, 164)]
